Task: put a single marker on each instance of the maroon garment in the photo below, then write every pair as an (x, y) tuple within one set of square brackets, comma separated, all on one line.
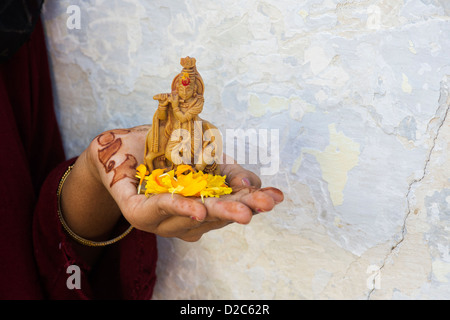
[(30, 146), (126, 269), (34, 256)]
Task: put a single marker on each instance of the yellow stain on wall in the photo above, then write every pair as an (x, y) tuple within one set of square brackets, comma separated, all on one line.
[(338, 158), (303, 13), (406, 87), (296, 106), (275, 104), (412, 48)]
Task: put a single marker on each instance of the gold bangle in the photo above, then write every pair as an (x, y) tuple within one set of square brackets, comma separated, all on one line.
[(76, 237)]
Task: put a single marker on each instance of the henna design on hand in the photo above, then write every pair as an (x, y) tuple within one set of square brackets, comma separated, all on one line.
[(105, 154), (111, 145), (122, 170)]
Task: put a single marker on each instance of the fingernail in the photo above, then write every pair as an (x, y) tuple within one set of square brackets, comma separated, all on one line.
[(196, 219), (259, 210), (246, 182)]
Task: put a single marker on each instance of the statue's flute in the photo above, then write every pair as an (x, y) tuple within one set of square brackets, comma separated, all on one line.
[(162, 96)]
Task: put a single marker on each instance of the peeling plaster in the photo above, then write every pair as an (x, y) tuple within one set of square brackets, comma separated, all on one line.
[(359, 92)]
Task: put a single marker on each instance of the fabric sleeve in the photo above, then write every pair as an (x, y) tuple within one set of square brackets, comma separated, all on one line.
[(124, 270), (31, 147)]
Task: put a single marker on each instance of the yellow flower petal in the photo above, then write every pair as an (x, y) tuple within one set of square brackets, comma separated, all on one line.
[(178, 189), (193, 184), (182, 169), (216, 181), (141, 171), (194, 189), (154, 183), (168, 180)]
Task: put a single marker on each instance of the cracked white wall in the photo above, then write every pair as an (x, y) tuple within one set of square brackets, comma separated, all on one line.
[(359, 91)]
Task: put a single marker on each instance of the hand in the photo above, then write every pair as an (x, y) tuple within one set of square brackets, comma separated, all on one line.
[(163, 105), (173, 99), (162, 99), (102, 187)]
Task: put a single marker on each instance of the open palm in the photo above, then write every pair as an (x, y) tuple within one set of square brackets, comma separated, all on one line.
[(113, 157)]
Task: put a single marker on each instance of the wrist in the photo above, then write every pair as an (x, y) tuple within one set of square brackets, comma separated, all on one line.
[(69, 230), (86, 205)]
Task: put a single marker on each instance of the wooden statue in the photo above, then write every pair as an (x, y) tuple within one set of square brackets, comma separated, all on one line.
[(178, 135)]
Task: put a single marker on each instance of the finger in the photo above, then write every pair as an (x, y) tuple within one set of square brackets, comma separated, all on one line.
[(276, 194), (196, 233), (259, 200), (177, 205), (238, 176), (187, 229), (148, 213), (228, 210), (176, 226)]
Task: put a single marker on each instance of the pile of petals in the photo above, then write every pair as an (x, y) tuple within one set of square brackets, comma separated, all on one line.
[(184, 181)]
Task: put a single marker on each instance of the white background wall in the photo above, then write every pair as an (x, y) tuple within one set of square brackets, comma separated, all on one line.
[(359, 92)]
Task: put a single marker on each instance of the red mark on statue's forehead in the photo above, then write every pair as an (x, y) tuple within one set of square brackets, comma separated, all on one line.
[(185, 80)]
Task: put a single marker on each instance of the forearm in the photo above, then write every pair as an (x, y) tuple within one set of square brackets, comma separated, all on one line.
[(162, 113), (178, 114), (183, 117), (86, 205)]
